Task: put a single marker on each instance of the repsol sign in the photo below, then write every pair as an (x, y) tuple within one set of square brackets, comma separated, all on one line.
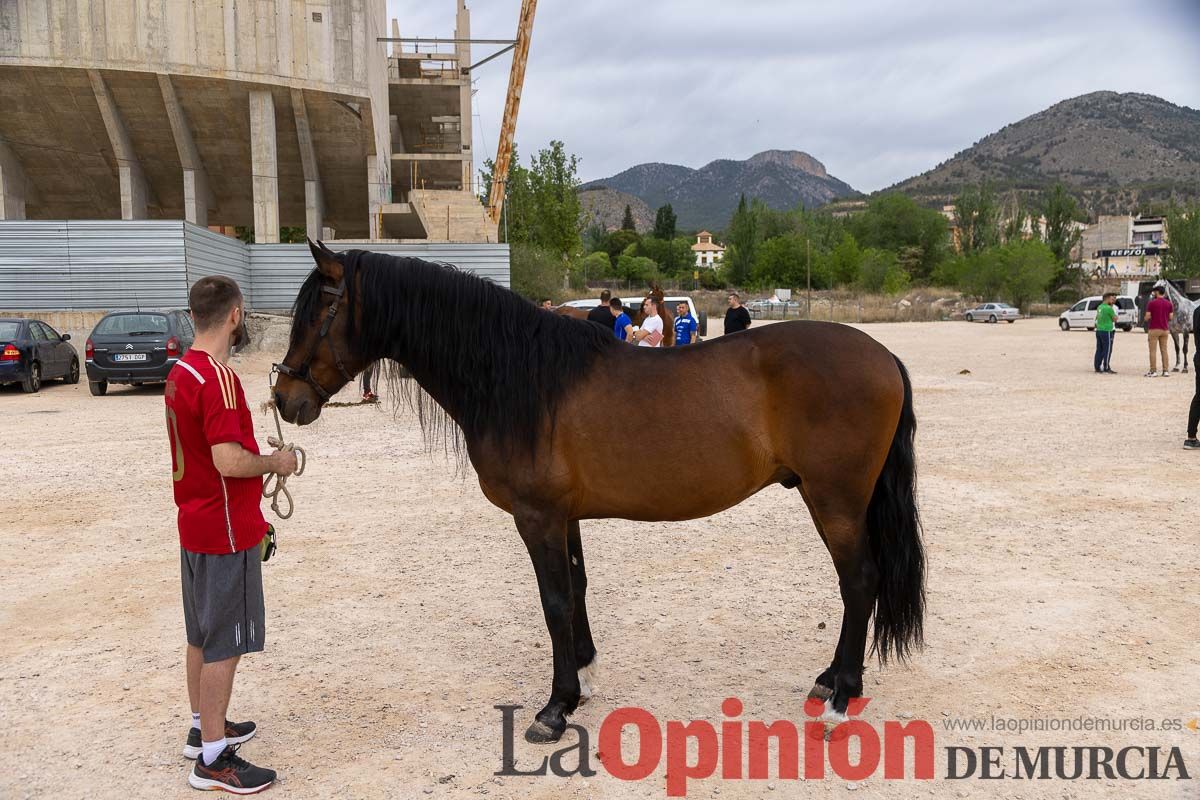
[(1127, 251)]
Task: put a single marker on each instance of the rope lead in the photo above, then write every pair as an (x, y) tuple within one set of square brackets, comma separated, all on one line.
[(278, 487)]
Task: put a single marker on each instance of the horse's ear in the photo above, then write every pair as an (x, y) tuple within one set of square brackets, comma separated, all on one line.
[(327, 262)]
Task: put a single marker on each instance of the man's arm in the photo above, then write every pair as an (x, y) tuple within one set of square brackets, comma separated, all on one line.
[(234, 461)]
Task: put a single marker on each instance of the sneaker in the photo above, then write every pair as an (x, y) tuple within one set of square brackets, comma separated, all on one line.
[(1110, 372), (1191, 444), (369, 397), (1164, 374), (235, 733), (1151, 375), (230, 773)]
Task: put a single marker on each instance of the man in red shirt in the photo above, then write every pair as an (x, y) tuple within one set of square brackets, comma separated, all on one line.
[(217, 473), (1158, 320)]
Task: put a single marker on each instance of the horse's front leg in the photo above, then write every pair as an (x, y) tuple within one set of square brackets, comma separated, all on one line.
[(545, 536)]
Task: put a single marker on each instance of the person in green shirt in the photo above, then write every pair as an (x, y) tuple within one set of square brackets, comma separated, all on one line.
[(1106, 332)]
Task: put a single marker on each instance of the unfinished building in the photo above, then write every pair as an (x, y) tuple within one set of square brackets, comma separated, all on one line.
[(278, 113)]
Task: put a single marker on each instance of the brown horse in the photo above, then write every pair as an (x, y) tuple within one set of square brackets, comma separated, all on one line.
[(810, 405)]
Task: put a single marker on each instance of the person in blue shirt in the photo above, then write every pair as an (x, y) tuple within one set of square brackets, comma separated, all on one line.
[(623, 326), (686, 327)]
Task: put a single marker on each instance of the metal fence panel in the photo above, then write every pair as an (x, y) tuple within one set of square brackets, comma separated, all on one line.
[(278, 270), (34, 267), (210, 253), (83, 265), (126, 264), (101, 265)]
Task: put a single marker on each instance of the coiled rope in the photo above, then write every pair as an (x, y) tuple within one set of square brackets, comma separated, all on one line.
[(274, 484)]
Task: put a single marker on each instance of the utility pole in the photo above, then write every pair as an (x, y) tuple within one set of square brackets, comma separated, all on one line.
[(808, 251)]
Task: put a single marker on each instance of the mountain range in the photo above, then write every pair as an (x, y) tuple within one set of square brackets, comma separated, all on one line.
[(1115, 152), (707, 197)]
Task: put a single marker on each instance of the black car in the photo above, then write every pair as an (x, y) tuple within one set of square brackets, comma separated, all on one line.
[(136, 347), (31, 352)]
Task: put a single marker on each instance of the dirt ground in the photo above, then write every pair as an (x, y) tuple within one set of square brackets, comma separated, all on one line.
[(402, 607)]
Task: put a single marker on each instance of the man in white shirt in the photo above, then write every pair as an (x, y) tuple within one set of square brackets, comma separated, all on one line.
[(651, 332)]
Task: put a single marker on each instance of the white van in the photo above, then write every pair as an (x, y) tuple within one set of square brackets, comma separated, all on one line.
[(1083, 314)]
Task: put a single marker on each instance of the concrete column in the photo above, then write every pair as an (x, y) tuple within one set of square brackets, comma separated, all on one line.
[(264, 166), (314, 196), (135, 192), (12, 184), (378, 182), (463, 31), (197, 196)]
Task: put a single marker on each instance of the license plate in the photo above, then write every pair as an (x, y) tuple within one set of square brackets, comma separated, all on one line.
[(129, 357)]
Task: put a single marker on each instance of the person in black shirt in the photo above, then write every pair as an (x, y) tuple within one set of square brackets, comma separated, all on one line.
[(1191, 442), (602, 314), (737, 318)]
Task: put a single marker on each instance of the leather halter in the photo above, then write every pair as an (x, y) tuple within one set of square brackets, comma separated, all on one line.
[(305, 371)]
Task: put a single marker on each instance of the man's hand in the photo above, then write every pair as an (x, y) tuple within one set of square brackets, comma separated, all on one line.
[(283, 462)]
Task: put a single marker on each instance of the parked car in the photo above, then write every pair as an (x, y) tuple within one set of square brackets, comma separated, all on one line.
[(993, 312), (31, 352), (632, 302), (773, 307), (1083, 314), (136, 347)]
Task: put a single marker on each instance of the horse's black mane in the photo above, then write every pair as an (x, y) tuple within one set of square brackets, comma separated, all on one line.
[(497, 364)]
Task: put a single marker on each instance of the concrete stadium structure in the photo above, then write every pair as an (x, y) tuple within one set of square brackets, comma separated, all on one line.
[(265, 114)]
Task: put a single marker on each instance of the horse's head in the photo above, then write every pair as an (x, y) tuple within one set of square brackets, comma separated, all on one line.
[(319, 360)]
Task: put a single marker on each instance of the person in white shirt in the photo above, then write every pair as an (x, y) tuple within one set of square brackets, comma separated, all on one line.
[(651, 332)]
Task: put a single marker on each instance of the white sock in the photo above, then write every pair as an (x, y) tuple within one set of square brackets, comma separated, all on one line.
[(212, 749), (196, 720)]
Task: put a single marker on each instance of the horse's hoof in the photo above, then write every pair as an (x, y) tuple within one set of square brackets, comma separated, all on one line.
[(541, 733), (820, 692)]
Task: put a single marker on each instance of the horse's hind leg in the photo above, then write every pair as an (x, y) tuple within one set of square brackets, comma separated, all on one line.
[(1175, 341), (842, 522), (585, 649), (545, 535)]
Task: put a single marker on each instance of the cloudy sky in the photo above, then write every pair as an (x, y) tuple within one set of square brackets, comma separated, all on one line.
[(878, 90)]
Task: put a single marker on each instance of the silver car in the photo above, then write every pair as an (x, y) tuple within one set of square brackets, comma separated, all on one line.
[(993, 312)]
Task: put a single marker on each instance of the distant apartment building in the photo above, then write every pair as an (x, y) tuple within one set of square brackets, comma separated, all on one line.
[(1124, 246), (708, 253)]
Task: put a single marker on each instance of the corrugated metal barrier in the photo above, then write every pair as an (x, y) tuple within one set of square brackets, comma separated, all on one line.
[(107, 264)]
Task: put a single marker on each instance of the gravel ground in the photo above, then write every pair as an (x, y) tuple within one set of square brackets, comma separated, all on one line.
[(402, 607)]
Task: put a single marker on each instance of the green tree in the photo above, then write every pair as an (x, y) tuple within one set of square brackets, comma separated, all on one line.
[(1182, 259), (844, 261), (977, 216), (536, 271), (876, 264), (779, 263), (636, 268), (627, 223), (542, 205), (664, 223), (1029, 266), (618, 241), (742, 240), (893, 222), (1062, 235), (593, 237), (593, 266), (555, 184)]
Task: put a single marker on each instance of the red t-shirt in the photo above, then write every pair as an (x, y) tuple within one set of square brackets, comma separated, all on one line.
[(205, 407), (1160, 309)]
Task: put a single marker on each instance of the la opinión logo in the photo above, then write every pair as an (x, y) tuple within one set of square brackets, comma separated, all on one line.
[(740, 749)]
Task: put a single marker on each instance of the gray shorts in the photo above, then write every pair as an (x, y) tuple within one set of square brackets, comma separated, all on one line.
[(223, 608)]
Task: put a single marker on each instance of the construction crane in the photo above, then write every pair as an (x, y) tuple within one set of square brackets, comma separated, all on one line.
[(508, 127)]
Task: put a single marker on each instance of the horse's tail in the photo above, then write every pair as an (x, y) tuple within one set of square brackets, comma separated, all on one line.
[(894, 534)]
